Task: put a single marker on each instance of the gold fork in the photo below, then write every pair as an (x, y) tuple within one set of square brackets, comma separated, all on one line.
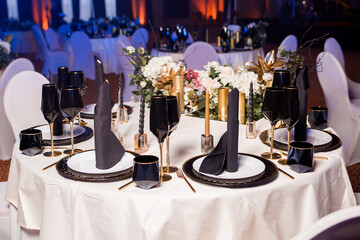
[(180, 174)]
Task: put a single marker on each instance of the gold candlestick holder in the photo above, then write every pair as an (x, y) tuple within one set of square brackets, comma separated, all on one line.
[(140, 143), (222, 103), (121, 115)]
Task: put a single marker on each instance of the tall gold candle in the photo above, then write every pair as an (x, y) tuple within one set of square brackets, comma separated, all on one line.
[(178, 86), (237, 37), (242, 107), (222, 103), (219, 41), (207, 114), (231, 43)]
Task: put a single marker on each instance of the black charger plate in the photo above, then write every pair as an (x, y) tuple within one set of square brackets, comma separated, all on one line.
[(270, 174), (335, 143)]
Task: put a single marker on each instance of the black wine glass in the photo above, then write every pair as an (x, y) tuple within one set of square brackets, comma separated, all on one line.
[(161, 34), (290, 109), (78, 79), (159, 126), (281, 78), (173, 121), (184, 36), (51, 110), (71, 104), (272, 110)]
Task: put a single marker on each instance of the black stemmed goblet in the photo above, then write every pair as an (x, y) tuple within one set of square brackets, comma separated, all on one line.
[(173, 121), (281, 78), (51, 110), (291, 109), (77, 79), (71, 104), (273, 111), (63, 78), (161, 34), (184, 36), (159, 126)]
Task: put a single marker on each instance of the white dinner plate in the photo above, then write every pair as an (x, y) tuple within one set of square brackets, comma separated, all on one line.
[(314, 136), (45, 130), (85, 162), (90, 109), (248, 167)]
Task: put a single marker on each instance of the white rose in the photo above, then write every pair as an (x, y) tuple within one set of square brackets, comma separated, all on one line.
[(143, 84), (130, 49)]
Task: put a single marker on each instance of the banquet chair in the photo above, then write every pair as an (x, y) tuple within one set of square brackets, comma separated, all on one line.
[(83, 55), (62, 33), (342, 224), (7, 139), (125, 40), (52, 59), (198, 54), (289, 44), (52, 40), (126, 68), (332, 46), (22, 101), (343, 114), (4, 214), (140, 38)]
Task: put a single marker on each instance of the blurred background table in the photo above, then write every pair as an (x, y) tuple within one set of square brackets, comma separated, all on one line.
[(44, 200), (236, 58), (23, 42)]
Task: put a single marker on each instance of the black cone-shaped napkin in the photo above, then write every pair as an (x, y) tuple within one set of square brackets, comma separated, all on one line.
[(302, 82), (108, 149), (233, 131), (214, 162), (225, 154), (99, 73)]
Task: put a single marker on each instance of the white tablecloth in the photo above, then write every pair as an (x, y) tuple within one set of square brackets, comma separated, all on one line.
[(64, 209), (105, 48), (236, 58), (23, 42)]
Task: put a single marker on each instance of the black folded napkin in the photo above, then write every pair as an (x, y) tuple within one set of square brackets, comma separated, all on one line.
[(233, 131), (99, 72), (108, 149), (214, 162), (302, 82), (225, 154)]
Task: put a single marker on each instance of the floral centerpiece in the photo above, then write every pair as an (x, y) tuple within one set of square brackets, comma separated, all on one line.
[(5, 52), (216, 76), (154, 75)]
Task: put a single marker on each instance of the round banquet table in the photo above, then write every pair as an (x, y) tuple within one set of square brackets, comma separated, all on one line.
[(236, 58), (104, 48), (66, 209), (23, 42)]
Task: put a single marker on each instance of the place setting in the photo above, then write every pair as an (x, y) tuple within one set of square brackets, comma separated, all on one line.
[(223, 165), (109, 161)]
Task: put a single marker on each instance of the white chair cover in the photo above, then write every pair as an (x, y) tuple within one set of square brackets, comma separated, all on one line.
[(52, 40), (7, 139), (83, 55), (62, 31), (332, 46), (125, 40), (289, 44), (342, 224), (22, 101), (126, 68), (140, 38), (342, 115), (52, 59), (4, 214), (198, 54)]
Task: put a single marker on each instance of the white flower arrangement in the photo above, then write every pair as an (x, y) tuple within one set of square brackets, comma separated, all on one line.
[(5, 46), (152, 71)]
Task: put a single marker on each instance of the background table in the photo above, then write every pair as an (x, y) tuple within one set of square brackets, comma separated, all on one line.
[(66, 209), (23, 42), (236, 58)]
